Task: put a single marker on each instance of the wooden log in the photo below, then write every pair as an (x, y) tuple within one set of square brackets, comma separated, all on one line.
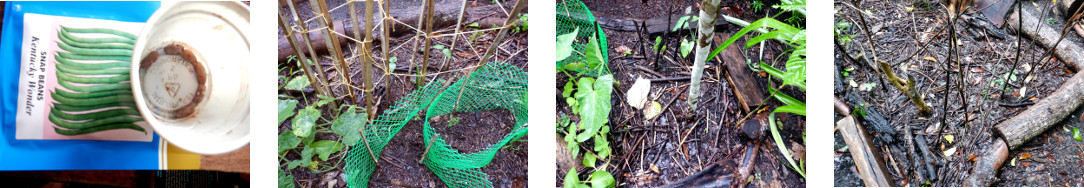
[(985, 168), (565, 160), (714, 175), (655, 26), (871, 167), (749, 92), (1066, 7), (445, 14), (1044, 114), (1067, 51)]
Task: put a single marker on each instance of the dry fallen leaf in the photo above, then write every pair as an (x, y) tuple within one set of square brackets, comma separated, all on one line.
[(1025, 155), (637, 94), (654, 168), (652, 110), (977, 69), (930, 58), (623, 49), (949, 138), (971, 156), (950, 151)]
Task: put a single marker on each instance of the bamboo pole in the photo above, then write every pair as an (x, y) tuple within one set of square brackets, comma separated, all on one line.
[(301, 56), (384, 46), (333, 46), (428, 17), (458, 25), (305, 35)]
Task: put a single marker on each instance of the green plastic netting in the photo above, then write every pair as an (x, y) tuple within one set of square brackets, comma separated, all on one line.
[(572, 14), (495, 86)]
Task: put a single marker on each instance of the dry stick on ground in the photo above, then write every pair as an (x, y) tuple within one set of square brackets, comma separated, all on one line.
[(954, 52), (905, 86), (320, 76), (1019, 39), (319, 86), (709, 12), (333, 46)]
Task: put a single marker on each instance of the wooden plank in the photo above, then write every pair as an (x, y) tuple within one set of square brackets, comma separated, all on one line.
[(871, 167), (750, 94)]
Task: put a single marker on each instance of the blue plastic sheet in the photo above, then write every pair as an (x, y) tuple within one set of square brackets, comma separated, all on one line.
[(64, 154)]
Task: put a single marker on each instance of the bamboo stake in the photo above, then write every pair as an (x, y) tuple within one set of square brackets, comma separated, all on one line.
[(333, 46), (301, 56), (428, 17), (384, 46), (305, 35), (458, 24)]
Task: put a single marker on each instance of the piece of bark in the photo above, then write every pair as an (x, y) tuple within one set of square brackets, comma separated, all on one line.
[(748, 90), (871, 167), (873, 118), (445, 14)]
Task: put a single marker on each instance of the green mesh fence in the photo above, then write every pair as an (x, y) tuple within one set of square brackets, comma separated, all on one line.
[(495, 86), (572, 14), (360, 164)]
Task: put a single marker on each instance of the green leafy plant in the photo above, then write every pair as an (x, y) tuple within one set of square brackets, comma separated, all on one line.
[(590, 99), (686, 47), (447, 52), (795, 65), (684, 22), (757, 5), (658, 42)]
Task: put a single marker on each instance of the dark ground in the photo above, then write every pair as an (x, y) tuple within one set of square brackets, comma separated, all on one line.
[(398, 166), (677, 146), (1056, 158)]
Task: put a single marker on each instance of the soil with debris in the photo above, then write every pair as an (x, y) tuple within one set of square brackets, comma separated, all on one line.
[(398, 165), (898, 29), (672, 147)]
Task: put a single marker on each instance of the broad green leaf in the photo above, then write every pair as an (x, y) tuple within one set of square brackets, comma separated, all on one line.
[(658, 41), (305, 121), (593, 53), (589, 160), (293, 164), (567, 92), (595, 104), (347, 126), (325, 148), (602, 179), (652, 110), (392, 60), (286, 109), (439, 46), (602, 146), (1076, 134), (575, 66), (684, 22), (447, 53), (285, 179), (571, 179), (298, 83), (474, 24), (323, 100), (564, 44), (796, 68), (570, 138), (306, 155), (800, 110), (288, 141), (686, 47)]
